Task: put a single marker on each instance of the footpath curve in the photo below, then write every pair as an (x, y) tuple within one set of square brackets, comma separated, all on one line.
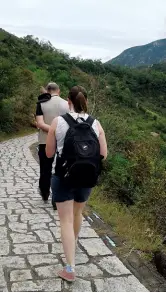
[(30, 247)]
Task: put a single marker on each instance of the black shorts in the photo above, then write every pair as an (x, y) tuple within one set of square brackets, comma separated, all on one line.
[(61, 193)]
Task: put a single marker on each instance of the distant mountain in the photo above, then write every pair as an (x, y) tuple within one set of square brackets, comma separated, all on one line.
[(148, 54)]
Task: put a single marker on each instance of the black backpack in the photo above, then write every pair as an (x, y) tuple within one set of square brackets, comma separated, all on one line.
[(80, 162)]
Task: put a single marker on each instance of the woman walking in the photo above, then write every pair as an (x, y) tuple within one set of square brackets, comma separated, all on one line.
[(79, 141)]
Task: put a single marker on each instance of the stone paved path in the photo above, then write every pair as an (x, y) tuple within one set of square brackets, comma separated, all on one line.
[(30, 247)]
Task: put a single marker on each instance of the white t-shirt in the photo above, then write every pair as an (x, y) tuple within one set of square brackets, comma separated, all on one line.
[(62, 128)]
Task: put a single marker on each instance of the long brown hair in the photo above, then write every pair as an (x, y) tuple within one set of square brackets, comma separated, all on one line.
[(78, 97)]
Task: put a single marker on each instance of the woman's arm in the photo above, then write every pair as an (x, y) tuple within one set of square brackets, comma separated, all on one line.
[(51, 139), (102, 141)]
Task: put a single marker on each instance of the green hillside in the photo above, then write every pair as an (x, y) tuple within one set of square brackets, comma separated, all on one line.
[(131, 105), (148, 54)]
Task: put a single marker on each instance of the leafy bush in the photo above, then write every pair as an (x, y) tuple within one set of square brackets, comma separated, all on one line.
[(161, 125), (7, 115), (119, 169)]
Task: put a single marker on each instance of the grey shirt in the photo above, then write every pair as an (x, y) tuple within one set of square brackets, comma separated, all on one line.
[(55, 107)]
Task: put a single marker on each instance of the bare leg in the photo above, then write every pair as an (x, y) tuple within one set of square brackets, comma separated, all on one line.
[(65, 211), (78, 209)]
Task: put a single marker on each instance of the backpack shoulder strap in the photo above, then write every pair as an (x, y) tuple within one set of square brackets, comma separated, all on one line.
[(90, 120), (69, 119)]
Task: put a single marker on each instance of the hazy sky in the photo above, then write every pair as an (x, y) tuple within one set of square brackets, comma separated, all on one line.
[(90, 28)]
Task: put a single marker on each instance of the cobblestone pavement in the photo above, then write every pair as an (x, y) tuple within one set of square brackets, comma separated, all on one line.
[(30, 247)]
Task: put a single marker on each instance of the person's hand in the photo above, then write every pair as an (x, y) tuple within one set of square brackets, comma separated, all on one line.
[(42, 90)]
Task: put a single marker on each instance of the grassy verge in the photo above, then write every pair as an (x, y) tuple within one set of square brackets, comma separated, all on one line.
[(22, 132), (127, 223)]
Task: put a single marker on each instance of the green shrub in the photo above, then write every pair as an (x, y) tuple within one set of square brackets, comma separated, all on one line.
[(161, 125), (163, 136), (163, 150), (119, 168), (7, 115)]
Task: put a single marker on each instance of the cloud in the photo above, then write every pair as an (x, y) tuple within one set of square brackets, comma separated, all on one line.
[(91, 28)]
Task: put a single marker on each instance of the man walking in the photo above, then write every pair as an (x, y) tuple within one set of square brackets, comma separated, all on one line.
[(49, 106)]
